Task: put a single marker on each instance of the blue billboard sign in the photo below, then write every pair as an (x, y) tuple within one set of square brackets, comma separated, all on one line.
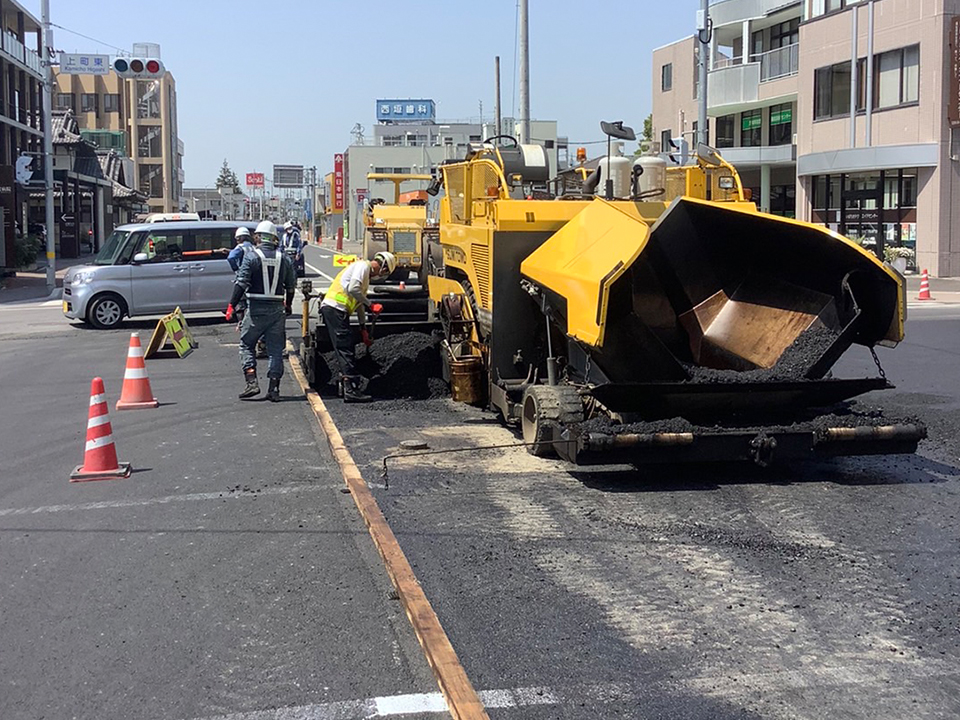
[(406, 110)]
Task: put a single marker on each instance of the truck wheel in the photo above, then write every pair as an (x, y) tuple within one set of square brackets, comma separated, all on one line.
[(545, 408), (106, 311)]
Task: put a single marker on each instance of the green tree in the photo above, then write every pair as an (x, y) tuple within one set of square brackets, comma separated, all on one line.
[(227, 178), (648, 127)]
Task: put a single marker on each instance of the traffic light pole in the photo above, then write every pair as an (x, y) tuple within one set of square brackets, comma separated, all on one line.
[(48, 145)]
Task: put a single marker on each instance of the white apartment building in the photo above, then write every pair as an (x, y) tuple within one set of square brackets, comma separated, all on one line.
[(780, 85)]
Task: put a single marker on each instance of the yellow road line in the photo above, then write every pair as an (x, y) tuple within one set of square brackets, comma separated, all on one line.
[(458, 691)]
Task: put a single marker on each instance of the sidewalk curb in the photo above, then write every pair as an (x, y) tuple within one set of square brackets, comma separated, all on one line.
[(461, 697), (55, 295)]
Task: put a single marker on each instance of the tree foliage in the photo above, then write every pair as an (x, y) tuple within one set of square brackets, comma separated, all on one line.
[(227, 178)]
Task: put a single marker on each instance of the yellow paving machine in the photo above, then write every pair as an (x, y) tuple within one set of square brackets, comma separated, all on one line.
[(654, 314)]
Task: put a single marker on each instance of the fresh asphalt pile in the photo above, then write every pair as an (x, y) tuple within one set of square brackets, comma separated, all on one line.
[(406, 365)]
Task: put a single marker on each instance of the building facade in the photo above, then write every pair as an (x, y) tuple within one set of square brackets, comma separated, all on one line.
[(781, 83), (135, 117), (21, 126)]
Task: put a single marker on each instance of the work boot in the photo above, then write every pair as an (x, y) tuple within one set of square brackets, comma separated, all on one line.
[(252, 388), (352, 392), (273, 392)]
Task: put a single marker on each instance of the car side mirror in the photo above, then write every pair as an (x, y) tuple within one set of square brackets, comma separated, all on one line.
[(140, 258)]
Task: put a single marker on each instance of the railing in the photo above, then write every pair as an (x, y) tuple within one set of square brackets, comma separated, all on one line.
[(779, 63), (774, 64), (16, 49)]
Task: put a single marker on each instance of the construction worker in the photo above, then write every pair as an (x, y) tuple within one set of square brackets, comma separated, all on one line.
[(243, 247), (348, 295), (267, 279), (292, 247)]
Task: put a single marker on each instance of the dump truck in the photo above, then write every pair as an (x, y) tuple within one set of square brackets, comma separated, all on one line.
[(655, 315)]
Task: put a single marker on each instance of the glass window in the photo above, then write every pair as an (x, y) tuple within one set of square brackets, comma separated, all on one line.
[(781, 124), (751, 123), (891, 191), (149, 139), (151, 180), (756, 45), (67, 101), (888, 80), (834, 199), (666, 77), (89, 102), (111, 248), (911, 74), (726, 127), (908, 189), (820, 192), (111, 102), (786, 33), (164, 245), (665, 140), (213, 239)]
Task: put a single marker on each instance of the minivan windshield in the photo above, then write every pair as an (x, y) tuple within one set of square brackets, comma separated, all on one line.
[(111, 248)]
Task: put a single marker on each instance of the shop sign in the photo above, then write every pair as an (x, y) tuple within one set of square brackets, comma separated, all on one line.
[(422, 109), (780, 117), (868, 216), (338, 182), (255, 179), (953, 104), (751, 122)]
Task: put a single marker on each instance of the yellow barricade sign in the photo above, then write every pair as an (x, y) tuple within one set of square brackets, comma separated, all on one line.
[(172, 327), (343, 260)]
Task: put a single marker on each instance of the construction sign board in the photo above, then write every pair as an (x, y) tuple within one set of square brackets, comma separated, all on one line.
[(343, 260), (172, 327)]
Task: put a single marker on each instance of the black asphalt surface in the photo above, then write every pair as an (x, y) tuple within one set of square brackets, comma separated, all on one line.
[(820, 590), (229, 574)]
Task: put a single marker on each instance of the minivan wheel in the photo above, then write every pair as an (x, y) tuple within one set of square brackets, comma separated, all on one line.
[(105, 312)]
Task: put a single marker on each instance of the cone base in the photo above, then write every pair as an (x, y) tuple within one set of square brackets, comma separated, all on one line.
[(80, 475), (127, 405)]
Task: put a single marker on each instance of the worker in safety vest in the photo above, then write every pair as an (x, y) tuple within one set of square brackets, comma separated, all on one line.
[(267, 279), (348, 295)]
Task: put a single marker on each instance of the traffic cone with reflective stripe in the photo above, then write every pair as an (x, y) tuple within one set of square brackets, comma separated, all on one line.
[(136, 392), (99, 455), (925, 287)]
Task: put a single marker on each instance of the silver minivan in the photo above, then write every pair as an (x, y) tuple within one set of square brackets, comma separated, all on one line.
[(151, 269)]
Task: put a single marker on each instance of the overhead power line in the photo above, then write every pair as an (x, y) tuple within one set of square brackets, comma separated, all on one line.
[(87, 37)]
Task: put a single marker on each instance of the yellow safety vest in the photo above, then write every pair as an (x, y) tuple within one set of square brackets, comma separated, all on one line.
[(338, 295)]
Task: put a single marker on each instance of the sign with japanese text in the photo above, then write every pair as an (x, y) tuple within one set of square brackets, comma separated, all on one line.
[(406, 110), (953, 102), (338, 185), (255, 180), (81, 64)]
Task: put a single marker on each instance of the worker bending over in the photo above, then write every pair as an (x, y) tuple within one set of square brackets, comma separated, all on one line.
[(348, 295), (267, 279)]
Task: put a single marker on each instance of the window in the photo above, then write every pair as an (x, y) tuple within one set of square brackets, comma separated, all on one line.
[(164, 246), (89, 103), (392, 140), (784, 34), (210, 240), (148, 99), (781, 124), (726, 127), (67, 101), (151, 180), (149, 141), (831, 91), (111, 102), (897, 77), (665, 137), (756, 45), (751, 125), (666, 77)]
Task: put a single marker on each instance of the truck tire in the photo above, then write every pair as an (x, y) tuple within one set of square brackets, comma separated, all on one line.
[(545, 408)]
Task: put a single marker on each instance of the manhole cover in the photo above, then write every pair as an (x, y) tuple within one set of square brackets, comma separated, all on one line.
[(413, 445)]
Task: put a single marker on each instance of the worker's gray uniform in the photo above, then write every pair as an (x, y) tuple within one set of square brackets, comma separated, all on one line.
[(266, 276)]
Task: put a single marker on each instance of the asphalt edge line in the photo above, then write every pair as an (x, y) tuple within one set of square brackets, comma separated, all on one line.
[(458, 692)]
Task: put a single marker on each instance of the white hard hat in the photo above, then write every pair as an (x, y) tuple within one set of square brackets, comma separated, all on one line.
[(242, 232), (387, 260), (266, 228), (287, 225)]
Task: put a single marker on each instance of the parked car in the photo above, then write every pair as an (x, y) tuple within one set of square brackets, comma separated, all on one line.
[(151, 269)]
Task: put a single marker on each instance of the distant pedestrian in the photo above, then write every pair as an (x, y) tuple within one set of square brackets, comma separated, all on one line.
[(267, 279)]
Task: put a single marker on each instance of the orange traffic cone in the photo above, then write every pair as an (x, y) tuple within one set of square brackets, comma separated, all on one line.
[(925, 287), (136, 392), (100, 454)]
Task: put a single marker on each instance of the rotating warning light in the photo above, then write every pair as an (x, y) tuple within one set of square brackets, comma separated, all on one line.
[(138, 67)]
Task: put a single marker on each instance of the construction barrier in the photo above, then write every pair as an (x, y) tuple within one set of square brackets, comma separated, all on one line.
[(925, 287), (343, 260), (172, 327)]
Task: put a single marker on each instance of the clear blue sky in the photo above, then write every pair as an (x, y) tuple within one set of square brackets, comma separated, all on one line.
[(284, 81)]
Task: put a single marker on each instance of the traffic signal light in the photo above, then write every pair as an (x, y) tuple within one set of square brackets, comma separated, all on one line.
[(138, 67), (679, 151)]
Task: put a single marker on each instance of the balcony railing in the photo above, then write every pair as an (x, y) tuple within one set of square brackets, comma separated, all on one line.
[(774, 64), (16, 49)]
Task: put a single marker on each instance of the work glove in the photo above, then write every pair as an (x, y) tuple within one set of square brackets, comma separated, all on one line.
[(365, 336), (228, 313), (376, 308), (288, 309)]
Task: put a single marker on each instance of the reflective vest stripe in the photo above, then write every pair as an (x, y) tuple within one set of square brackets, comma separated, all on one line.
[(337, 294), (265, 265)]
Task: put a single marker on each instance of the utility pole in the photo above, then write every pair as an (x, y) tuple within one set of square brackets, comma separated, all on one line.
[(48, 145), (524, 134), (496, 109), (704, 31)]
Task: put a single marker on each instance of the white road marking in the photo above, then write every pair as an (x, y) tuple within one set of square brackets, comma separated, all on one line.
[(191, 497), (318, 271)]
